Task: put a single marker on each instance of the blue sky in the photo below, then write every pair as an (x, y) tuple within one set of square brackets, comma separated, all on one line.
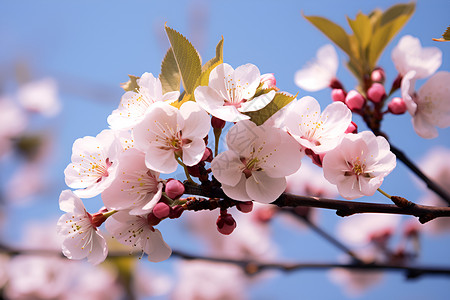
[(90, 47)]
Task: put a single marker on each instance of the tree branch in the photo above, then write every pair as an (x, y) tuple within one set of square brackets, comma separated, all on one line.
[(343, 208)]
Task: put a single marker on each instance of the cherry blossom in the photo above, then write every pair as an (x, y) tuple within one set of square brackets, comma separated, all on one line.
[(135, 231), (409, 55), (316, 131), (82, 239), (167, 133), (135, 186), (40, 96), (230, 92), (94, 163), (319, 73), (134, 104), (13, 122), (430, 106), (359, 164), (258, 159)]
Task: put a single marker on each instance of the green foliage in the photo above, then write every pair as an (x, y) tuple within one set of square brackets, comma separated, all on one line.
[(170, 74), (211, 64), (131, 85), (186, 58), (279, 101), (445, 37), (371, 35)]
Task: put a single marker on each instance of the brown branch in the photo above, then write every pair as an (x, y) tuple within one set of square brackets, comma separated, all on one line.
[(252, 267), (343, 208)]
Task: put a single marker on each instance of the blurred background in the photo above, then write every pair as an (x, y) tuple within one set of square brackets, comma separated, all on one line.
[(61, 65)]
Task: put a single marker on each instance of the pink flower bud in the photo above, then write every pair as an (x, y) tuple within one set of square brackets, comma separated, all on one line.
[(176, 211), (161, 210), (207, 155), (217, 123), (174, 188), (245, 207), (268, 80), (153, 220), (338, 95), (378, 75), (352, 128), (225, 223), (376, 92), (397, 106), (336, 84), (354, 100)]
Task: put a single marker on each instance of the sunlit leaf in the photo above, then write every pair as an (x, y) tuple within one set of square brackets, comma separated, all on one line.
[(130, 85), (279, 101), (187, 59), (211, 64), (170, 74), (362, 28)]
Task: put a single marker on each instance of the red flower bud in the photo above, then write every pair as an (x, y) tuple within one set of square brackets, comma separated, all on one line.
[(217, 123), (338, 95), (153, 220), (161, 210), (176, 211), (378, 75), (397, 106), (376, 93), (225, 223), (245, 207), (352, 128), (174, 188), (354, 100)]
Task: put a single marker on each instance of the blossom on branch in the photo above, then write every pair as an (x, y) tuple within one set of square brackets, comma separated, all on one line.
[(167, 133), (134, 104), (316, 131), (409, 55), (82, 239), (230, 92), (257, 162), (359, 164), (319, 73), (137, 232), (430, 106), (94, 163)]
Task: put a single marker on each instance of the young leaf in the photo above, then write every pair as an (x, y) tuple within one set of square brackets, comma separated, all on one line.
[(170, 74), (388, 25), (279, 101), (211, 64), (362, 28), (445, 37), (333, 31), (187, 59), (130, 85)]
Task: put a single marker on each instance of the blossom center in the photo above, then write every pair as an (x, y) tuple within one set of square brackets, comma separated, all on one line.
[(250, 165)]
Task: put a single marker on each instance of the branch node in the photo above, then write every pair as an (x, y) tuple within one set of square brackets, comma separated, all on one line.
[(426, 218), (401, 202), (344, 212)]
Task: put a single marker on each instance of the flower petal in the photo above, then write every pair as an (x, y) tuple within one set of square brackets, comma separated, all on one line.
[(264, 189)]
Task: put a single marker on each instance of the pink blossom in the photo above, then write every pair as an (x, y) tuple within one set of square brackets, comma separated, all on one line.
[(319, 73), (258, 159), (94, 164), (430, 106), (268, 81), (409, 55), (230, 93), (134, 104), (81, 237), (167, 133), (40, 96), (13, 122), (359, 164), (316, 131), (135, 231), (135, 187)]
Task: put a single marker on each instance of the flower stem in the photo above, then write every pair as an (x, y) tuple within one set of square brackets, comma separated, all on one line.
[(217, 133), (384, 193), (109, 213), (186, 172)]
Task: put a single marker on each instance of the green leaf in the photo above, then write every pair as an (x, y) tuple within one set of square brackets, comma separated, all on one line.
[(445, 37), (130, 85), (279, 101), (170, 74), (187, 59), (211, 64), (333, 31), (389, 24), (362, 28)]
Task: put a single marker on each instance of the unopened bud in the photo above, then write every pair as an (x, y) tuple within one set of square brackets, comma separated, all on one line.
[(225, 223), (378, 75), (174, 188), (176, 211), (397, 82), (152, 219), (268, 81), (217, 123), (352, 128), (336, 84), (376, 92), (207, 155), (245, 207), (338, 95), (354, 100), (264, 214), (161, 210), (397, 106)]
